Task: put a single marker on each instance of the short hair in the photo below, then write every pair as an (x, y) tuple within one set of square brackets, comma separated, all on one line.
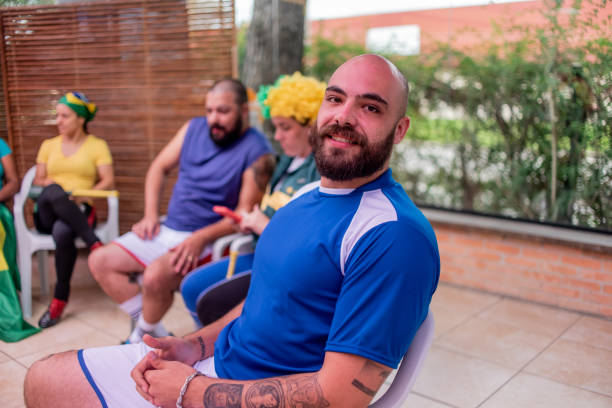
[(231, 85)]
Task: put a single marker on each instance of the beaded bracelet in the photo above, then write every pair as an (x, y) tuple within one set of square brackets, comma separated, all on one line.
[(179, 401)]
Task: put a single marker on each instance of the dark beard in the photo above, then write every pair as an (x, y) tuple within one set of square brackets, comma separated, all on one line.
[(229, 136), (338, 165)]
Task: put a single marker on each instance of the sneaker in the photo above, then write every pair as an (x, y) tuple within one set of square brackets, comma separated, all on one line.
[(53, 313), (47, 321), (138, 333)]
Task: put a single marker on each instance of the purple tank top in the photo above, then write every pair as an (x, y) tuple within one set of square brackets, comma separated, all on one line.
[(210, 175)]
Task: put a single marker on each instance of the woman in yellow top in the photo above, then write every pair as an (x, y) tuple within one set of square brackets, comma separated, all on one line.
[(73, 160)]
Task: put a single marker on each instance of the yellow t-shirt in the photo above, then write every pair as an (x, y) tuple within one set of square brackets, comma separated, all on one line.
[(80, 169)]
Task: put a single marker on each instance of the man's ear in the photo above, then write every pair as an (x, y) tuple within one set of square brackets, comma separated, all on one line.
[(400, 129)]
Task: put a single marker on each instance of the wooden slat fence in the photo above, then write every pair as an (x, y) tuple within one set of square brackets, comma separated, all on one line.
[(147, 65)]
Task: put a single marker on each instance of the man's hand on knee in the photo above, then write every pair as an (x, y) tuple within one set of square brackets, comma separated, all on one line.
[(147, 228), (185, 256)]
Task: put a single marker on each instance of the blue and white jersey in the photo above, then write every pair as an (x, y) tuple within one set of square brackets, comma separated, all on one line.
[(349, 271)]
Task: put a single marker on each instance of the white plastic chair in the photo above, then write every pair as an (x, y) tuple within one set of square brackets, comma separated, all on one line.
[(30, 241), (409, 368), (222, 244)]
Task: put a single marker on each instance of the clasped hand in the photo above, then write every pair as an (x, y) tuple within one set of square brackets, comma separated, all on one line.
[(159, 376)]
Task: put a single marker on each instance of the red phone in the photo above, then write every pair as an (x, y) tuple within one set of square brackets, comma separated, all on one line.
[(226, 212)]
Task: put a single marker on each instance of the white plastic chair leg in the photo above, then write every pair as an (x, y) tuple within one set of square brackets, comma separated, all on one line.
[(42, 271), (25, 268)]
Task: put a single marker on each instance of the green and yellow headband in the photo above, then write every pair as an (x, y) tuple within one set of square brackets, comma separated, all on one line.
[(296, 96), (80, 105)]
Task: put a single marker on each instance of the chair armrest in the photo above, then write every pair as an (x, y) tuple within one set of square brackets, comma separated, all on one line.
[(112, 219), (242, 244), (221, 244), (18, 217), (83, 192), (20, 198)]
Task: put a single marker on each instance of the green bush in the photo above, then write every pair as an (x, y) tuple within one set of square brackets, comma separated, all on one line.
[(521, 129)]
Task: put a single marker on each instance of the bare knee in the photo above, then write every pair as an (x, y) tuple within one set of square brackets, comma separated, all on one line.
[(159, 277), (155, 280), (42, 384), (96, 262), (34, 383), (106, 262)]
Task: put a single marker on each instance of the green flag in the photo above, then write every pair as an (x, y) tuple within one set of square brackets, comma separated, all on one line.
[(12, 326)]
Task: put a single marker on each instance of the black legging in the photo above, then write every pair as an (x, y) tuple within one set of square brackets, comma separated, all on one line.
[(61, 217)]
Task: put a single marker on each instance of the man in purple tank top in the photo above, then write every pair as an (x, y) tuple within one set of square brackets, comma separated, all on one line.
[(220, 161)]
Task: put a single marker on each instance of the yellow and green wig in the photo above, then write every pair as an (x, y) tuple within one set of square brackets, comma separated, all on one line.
[(80, 105), (296, 96)]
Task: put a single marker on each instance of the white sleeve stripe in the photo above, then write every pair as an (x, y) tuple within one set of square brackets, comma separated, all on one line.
[(374, 209)]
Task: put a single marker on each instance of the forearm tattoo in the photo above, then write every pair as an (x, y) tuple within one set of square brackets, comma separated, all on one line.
[(302, 392), (374, 375), (202, 348), (305, 392), (223, 396), (266, 393), (363, 388)]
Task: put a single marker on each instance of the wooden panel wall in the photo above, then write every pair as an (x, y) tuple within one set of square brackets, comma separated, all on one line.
[(147, 64)]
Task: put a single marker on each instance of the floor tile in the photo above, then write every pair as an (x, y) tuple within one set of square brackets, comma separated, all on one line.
[(592, 331), (446, 319), (83, 299), (414, 401), (109, 319), (11, 385), (178, 321), (536, 392), (68, 329), (451, 306), (530, 317), (495, 341), (576, 364), (4, 357), (459, 380), (464, 301)]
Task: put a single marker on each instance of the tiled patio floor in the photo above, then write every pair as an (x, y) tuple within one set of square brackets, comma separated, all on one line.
[(488, 351)]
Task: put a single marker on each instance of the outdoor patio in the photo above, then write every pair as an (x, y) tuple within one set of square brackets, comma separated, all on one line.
[(488, 351)]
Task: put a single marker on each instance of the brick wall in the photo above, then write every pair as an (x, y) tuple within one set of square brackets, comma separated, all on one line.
[(573, 276)]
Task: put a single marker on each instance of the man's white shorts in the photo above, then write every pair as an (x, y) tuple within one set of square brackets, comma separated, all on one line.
[(108, 370), (146, 251)]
